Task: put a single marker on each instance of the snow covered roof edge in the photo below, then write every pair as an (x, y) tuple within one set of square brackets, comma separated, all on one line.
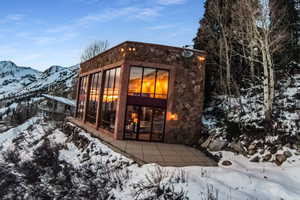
[(60, 99)]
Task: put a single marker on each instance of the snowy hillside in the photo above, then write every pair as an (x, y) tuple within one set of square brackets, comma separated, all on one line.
[(51, 77), (14, 78), (17, 80), (42, 161)]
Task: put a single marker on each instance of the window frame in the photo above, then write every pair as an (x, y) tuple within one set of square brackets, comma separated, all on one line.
[(82, 90), (98, 77), (104, 107)]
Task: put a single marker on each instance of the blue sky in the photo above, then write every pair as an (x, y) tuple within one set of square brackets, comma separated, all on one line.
[(41, 33)]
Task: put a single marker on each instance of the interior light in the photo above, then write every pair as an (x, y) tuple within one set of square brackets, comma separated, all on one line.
[(172, 116), (201, 58)]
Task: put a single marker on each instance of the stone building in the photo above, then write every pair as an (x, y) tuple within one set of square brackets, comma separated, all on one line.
[(141, 91)]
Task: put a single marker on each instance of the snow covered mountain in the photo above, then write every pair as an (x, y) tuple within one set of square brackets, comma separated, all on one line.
[(13, 77), (15, 80)]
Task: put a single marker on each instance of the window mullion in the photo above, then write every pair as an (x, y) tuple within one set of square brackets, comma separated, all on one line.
[(142, 82)]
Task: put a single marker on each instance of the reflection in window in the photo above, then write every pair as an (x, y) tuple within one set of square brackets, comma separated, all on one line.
[(145, 123), (110, 98), (93, 100), (162, 84), (81, 97), (132, 122), (135, 82), (148, 82), (158, 124)]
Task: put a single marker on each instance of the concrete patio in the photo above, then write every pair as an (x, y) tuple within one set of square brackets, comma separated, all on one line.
[(148, 152), (163, 154)]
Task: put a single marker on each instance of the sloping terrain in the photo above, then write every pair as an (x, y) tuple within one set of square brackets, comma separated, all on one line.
[(39, 160), (13, 78)]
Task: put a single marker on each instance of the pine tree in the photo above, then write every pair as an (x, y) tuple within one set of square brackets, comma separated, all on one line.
[(215, 36), (205, 40), (292, 19)]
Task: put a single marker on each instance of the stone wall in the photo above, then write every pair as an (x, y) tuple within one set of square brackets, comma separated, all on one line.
[(188, 101)]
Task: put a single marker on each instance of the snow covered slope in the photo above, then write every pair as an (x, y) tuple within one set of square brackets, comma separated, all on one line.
[(52, 76), (15, 80), (38, 159)]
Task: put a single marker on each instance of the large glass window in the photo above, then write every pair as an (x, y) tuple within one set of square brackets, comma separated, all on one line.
[(148, 82), (94, 95), (110, 98), (162, 84), (135, 82), (81, 97)]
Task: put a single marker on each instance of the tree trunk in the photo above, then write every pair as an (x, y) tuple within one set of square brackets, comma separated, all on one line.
[(266, 86)]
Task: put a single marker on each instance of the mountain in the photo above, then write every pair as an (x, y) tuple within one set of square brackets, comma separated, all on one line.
[(13, 77), (16, 80)]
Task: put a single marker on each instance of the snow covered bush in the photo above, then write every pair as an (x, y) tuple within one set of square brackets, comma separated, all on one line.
[(160, 184)]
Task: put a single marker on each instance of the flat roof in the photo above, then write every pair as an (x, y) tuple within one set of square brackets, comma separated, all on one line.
[(144, 43)]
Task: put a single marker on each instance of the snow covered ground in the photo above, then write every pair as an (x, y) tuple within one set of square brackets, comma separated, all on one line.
[(96, 168)]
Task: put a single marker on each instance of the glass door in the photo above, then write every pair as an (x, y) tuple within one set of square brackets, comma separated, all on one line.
[(132, 123), (144, 123)]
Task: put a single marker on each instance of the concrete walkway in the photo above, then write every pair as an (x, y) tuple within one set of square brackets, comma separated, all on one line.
[(148, 152), (163, 154)]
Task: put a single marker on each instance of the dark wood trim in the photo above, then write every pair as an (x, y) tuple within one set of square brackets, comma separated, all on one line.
[(106, 67), (88, 86), (77, 96), (99, 100), (145, 101)]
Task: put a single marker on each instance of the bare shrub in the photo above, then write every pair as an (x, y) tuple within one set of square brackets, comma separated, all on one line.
[(94, 49), (159, 184), (210, 194), (11, 156)]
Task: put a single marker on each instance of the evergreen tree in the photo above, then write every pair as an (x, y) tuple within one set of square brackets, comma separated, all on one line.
[(292, 19), (216, 36)]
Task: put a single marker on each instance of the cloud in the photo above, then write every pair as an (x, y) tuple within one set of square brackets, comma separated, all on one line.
[(162, 27), (170, 2), (12, 18), (127, 12)]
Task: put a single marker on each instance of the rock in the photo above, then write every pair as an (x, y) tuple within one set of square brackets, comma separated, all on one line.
[(238, 147), (252, 147), (279, 159), (297, 153), (226, 163), (217, 144), (287, 154), (252, 152), (273, 149), (267, 157), (262, 151), (288, 145), (207, 142), (85, 157), (255, 159), (201, 140)]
